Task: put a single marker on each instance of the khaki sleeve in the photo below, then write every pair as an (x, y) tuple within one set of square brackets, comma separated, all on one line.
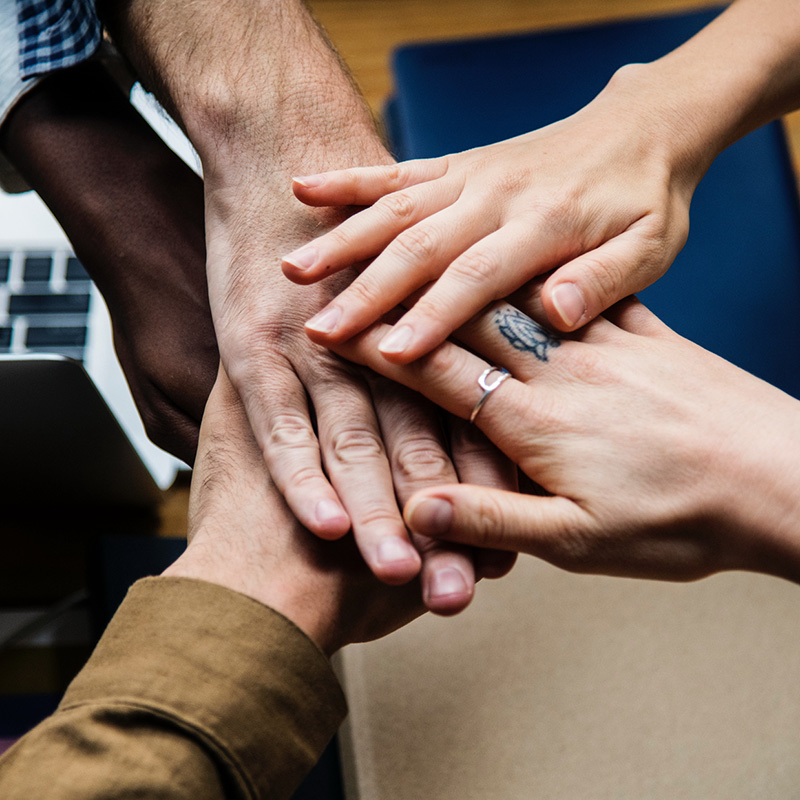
[(194, 691)]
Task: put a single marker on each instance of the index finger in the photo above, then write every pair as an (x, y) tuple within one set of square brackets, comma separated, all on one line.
[(362, 186)]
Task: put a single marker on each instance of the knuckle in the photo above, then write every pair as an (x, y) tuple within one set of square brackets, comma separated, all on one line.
[(341, 237), (363, 293), (417, 244), (445, 362), (378, 515), (253, 341), (160, 434), (607, 276), (475, 268), (303, 476), (393, 176), (420, 460), (398, 206), (557, 215), (664, 238), (168, 428), (586, 366), (289, 431), (512, 182), (351, 446), (489, 521)]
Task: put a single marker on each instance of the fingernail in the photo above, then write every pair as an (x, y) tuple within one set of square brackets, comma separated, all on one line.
[(569, 303), (328, 511), (326, 321), (310, 181), (394, 550), (447, 582), (304, 258), (431, 515), (397, 340)]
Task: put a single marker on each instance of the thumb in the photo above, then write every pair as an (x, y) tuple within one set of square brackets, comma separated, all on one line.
[(589, 284), (484, 517)]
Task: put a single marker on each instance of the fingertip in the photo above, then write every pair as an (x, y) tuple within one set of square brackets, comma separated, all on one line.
[(396, 342), (322, 327), (300, 277), (447, 591), (331, 520), (295, 273), (565, 306), (431, 516), (404, 344), (309, 182), (315, 190), (396, 561)]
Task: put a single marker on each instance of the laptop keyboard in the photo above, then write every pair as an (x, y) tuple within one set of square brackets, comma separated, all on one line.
[(44, 303)]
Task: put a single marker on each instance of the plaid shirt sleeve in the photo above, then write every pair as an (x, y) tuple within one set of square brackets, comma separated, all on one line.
[(54, 34)]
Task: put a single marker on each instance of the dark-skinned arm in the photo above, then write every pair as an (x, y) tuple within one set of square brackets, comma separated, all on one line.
[(133, 212)]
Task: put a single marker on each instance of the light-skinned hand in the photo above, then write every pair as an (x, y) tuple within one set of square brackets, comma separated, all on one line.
[(598, 202), (658, 459), (243, 536)]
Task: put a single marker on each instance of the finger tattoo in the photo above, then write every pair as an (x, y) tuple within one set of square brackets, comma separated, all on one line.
[(524, 334)]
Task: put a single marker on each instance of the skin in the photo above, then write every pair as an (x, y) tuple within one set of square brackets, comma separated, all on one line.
[(331, 436), (243, 536), (133, 213), (598, 201), (657, 458)]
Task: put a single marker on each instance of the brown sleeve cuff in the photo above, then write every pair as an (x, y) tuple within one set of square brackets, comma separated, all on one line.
[(227, 670)]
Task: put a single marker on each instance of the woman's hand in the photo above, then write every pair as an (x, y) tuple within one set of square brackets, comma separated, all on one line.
[(658, 459), (602, 198)]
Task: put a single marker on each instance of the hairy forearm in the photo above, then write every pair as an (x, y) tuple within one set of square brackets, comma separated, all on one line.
[(242, 71)]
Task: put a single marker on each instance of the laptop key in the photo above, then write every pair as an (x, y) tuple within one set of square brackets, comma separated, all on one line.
[(5, 338), (37, 268), (56, 337), (48, 304), (5, 267)]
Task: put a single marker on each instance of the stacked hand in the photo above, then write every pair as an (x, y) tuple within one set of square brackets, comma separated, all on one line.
[(602, 198), (658, 458), (243, 536), (342, 447), (134, 214)]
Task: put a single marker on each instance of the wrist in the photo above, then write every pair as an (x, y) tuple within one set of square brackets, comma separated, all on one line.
[(114, 186), (761, 502), (286, 592), (739, 72), (255, 84), (672, 122)]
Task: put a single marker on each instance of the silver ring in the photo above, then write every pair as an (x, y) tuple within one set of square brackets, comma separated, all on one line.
[(488, 388)]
